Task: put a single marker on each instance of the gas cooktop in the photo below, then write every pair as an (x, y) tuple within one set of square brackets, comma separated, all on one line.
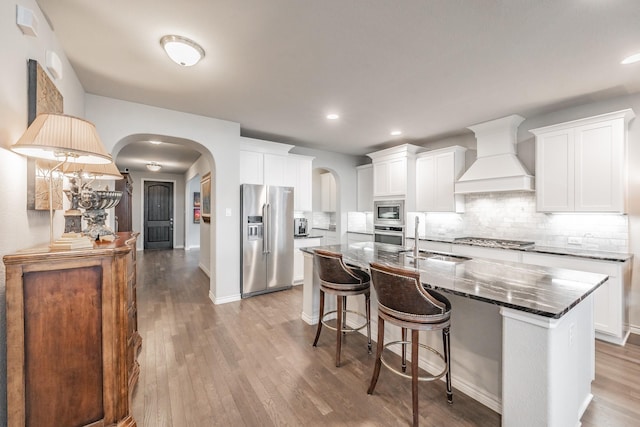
[(493, 243)]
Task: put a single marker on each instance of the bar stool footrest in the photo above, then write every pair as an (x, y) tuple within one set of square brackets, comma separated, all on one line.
[(348, 328), (397, 371)]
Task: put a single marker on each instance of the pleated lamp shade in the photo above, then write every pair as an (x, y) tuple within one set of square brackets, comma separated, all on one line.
[(108, 171), (59, 137)]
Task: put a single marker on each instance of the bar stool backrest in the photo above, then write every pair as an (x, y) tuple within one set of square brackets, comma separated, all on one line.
[(400, 290), (332, 270)]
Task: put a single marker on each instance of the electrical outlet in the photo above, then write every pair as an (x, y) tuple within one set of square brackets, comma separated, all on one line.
[(574, 240)]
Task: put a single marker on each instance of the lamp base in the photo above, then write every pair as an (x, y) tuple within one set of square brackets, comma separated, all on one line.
[(72, 241), (73, 221)]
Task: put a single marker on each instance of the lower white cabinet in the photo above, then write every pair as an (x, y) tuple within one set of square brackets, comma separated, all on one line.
[(611, 316), (298, 257)]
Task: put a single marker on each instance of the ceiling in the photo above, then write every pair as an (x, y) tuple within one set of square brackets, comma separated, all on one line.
[(428, 67)]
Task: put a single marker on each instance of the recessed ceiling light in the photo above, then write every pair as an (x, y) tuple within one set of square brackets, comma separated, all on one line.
[(155, 142), (154, 166), (333, 116), (181, 50), (631, 59), (395, 132)]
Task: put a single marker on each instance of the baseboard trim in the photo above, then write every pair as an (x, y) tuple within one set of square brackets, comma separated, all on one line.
[(205, 270), (310, 320), (225, 300), (190, 248)]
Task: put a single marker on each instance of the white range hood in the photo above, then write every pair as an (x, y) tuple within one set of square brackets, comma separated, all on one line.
[(497, 167)]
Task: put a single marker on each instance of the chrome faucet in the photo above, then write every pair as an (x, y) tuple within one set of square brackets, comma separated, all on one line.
[(416, 236)]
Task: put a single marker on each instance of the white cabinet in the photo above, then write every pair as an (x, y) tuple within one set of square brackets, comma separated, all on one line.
[(394, 174), (581, 165), (611, 317), (251, 168), (436, 174), (263, 162), (327, 192), (275, 170), (298, 257), (299, 176), (365, 188)]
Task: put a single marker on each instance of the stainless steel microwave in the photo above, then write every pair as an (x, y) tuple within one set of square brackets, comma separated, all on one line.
[(388, 212)]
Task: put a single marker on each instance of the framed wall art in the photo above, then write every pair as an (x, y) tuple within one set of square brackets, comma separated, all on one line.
[(205, 190), (196, 207), (43, 97)]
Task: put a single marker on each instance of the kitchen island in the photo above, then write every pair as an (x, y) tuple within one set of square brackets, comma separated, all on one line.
[(522, 335)]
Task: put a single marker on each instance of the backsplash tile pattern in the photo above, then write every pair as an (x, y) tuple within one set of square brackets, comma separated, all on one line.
[(360, 222), (513, 216)]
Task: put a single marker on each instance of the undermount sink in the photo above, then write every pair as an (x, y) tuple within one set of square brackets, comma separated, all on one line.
[(434, 256)]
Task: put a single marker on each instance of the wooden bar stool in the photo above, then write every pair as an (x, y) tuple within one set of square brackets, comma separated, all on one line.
[(404, 302), (342, 281)]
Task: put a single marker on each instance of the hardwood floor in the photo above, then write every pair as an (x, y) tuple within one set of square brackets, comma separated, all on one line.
[(251, 363)]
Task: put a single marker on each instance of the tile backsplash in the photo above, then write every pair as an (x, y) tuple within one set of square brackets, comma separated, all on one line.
[(513, 216)]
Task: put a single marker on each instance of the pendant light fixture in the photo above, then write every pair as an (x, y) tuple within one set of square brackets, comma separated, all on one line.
[(181, 50)]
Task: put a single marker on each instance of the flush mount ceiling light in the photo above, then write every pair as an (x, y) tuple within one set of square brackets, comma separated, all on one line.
[(333, 116), (395, 133), (631, 59), (182, 50), (154, 166), (155, 142)]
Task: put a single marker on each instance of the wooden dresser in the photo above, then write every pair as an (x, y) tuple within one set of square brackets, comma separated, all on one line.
[(72, 335)]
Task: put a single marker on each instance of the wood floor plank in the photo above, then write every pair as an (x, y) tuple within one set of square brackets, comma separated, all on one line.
[(251, 363)]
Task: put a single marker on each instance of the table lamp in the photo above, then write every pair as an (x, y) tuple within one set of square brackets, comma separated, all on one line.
[(61, 138)]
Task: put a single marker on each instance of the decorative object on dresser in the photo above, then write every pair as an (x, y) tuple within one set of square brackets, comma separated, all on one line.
[(72, 335), (81, 194)]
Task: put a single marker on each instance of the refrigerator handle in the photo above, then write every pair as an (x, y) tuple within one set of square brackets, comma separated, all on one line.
[(268, 227), (265, 229)]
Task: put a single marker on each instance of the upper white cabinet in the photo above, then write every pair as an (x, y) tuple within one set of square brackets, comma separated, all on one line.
[(394, 173), (269, 163), (581, 165), (251, 167), (299, 172), (327, 192), (263, 162), (365, 188), (436, 175)]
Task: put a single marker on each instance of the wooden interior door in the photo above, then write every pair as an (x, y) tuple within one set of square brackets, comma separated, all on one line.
[(158, 215)]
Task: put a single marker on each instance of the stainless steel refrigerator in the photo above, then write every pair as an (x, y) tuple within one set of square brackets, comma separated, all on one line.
[(266, 214)]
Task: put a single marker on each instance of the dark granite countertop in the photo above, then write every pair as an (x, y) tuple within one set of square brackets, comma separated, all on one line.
[(576, 252), (360, 232), (545, 291)]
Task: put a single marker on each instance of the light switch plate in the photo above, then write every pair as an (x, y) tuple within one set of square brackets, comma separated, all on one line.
[(228, 211)]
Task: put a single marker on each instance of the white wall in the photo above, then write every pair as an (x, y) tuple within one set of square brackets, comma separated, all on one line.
[(343, 168), (199, 168), (217, 140), (20, 228)]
